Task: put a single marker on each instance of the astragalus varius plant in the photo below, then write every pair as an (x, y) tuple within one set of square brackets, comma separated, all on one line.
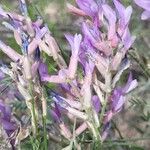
[(86, 95)]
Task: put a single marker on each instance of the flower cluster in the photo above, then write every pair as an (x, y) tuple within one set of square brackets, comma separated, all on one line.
[(87, 92)]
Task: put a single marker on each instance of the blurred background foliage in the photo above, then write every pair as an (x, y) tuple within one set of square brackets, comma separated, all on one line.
[(134, 121)]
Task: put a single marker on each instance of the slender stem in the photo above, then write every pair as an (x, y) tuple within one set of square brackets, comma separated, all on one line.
[(117, 129), (45, 133), (44, 107), (104, 105), (34, 121)]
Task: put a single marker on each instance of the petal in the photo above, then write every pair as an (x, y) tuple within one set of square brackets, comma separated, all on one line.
[(75, 10), (124, 65), (96, 103), (130, 85), (77, 43), (8, 125), (109, 14), (143, 3), (127, 39), (88, 6), (70, 39), (111, 17), (145, 15), (91, 32), (43, 70), (128, 13)]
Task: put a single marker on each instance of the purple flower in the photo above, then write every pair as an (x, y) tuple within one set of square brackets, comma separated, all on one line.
[(118, 96), (43, 70), (91, 32), (110, 15), (91, 8), (75, 43), (124, 15), (8, 125), (55, 113), (127, 39), (96, 103), (145, 4)]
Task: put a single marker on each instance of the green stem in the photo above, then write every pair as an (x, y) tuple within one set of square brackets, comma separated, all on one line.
[(34, 121), (104, 105), (44, 109), (45, 133)]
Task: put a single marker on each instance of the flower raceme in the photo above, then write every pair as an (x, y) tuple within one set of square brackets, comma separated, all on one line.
[(86, 84)]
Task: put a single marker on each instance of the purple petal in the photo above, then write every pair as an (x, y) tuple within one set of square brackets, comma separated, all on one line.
[(89, 67), (111, 17), (88, 6), (75, 42), (127, 39), (40, 32), (96, 103), (43, 70), (124, 14), (91, 32), (145, 15), (2, 75), (130, 85), (70, 39), (8, 126), (143, 3), (117, 99)]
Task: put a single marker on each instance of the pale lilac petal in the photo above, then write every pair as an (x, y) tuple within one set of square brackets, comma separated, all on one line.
[(43, 70), (111, 17), (77, 43), (7, 125), (145, 15), (117, 99), (89, 67), (2, 75), (70, 39), (75, 10), (120, 8), (143, 3), (130, 85), (88, 6), (91, 32), (12, 54), (127, 39), (128, 13), (96, 103)]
